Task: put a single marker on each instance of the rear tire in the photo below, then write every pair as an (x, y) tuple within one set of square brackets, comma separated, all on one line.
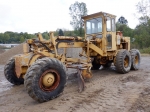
[(34, 79), (10, 74), (136, 59), (123, 61), (95, 64)]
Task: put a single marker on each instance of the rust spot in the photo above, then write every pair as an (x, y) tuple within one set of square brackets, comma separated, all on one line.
[(56, 82)]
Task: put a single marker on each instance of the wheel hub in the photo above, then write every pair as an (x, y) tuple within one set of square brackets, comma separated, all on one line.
[(126, 61), (136, 60), (48, 79)]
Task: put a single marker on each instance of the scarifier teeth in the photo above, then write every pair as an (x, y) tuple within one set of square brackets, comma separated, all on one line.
[(81, 84)]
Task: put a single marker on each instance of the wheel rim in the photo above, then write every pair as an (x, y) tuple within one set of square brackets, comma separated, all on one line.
[(126, 61), (49, 80), (136, 60)]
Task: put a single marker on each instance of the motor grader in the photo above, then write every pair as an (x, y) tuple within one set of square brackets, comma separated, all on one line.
[(43, 70)]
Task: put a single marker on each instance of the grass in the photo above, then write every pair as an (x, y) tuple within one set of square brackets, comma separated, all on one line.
[(145, 50)]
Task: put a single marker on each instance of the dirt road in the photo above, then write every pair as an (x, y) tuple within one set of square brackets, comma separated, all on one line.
[(107, 91)]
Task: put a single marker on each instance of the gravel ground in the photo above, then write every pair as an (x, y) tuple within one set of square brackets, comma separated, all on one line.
[(106, 91), (4, 57)]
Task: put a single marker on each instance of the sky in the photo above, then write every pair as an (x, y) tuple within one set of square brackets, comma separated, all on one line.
[(34, 16)]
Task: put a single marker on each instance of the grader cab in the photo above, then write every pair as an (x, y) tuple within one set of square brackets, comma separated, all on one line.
[(42, 68)]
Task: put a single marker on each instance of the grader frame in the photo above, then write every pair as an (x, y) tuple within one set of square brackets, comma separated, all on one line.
[(89, 49), (101, 45)]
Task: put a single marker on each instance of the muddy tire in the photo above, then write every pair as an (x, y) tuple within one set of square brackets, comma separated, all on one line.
[(95, 65), (9, 72), (136, 59), (123, 61), (45, 79)]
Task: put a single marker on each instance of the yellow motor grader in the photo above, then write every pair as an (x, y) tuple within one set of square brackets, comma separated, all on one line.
[(43, 70)]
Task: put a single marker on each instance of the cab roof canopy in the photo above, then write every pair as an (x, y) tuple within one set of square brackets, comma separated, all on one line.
[(97, 15)]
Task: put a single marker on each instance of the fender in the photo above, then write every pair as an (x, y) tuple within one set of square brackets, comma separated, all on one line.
[(23, 61)]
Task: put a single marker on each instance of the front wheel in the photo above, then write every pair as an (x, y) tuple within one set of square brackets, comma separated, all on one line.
[(45, 79)]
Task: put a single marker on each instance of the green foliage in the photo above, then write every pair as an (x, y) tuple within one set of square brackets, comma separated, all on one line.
[(145, 50), (122, 20), (45, 35), (66, 32), (142, 31), (127, 31), (21, 39), (142, 35), (14, 37), (79, 32), (61, 33)]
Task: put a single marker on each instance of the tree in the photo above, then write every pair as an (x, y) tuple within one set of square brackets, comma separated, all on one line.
[(122, 20), (127, 31), (121, 25), (142, 35), (6, 37), (143, 9), (21, 39), (77, 10), (142, 31), (60, 32), (45, 35), (1, 38)]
